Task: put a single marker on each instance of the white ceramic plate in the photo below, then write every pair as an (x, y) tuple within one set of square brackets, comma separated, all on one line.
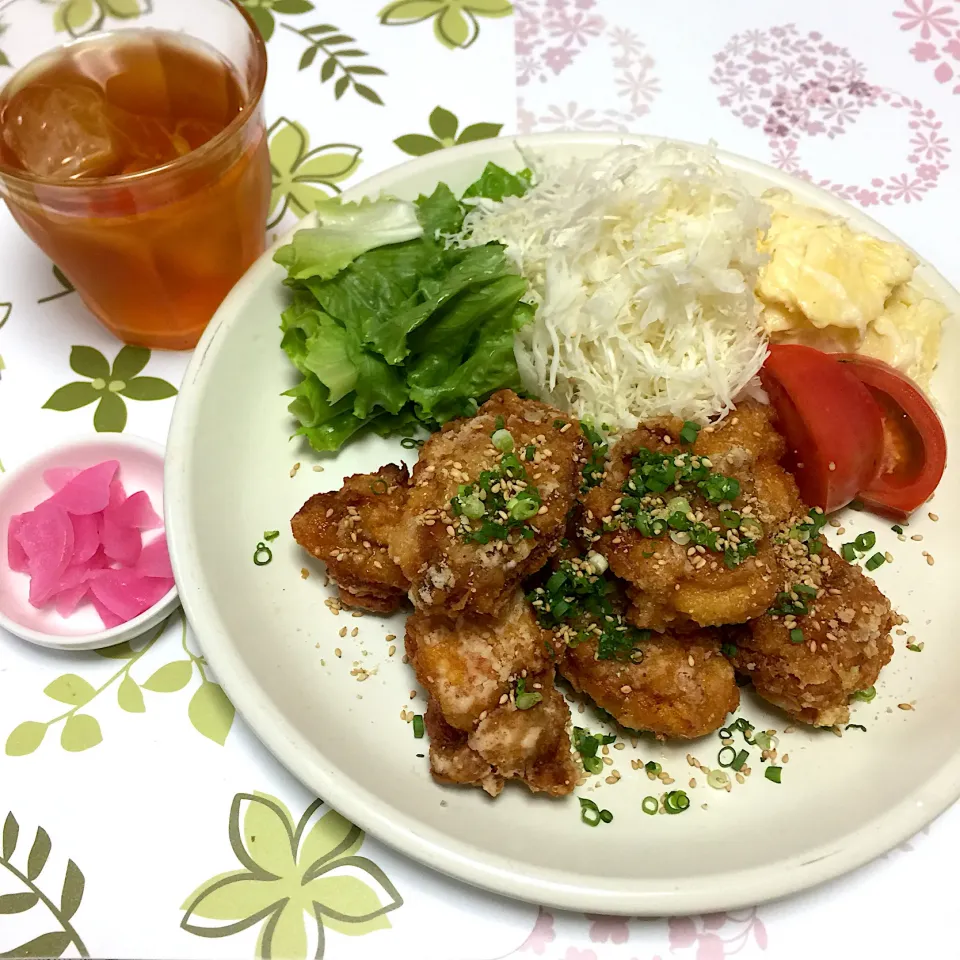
[(271, 641)]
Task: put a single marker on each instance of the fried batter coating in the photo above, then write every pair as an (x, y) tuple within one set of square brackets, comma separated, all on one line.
[(531, 745), (843, 644), (439, 547), (683, 687), (348, 530), (469, 664), (452, 760), (674, 583)]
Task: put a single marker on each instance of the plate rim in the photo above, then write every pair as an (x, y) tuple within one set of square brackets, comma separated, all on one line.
[(424, 843)]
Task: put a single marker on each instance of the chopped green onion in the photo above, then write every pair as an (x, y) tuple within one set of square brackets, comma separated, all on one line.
[(765, 742), (796, 635), (866, 541), (606, 816), (865, 695), (689, 432), (589, 812), (855, 726), (730, 519), (772, 773), (718, 780), (804, 589), (530, 452), (897, 529), (262, 555), (676, 801), (503, 440), (379, 487), (418, 726), (915, 647), (522, 509), (498, 424), (269, 535), (849, 552), (652, 767), (728, 649), (592, 764), (473, 507), (729, 759), (650, 805), (741, 758), (877, 560), (678, 505), (814, 546), (411, 443), (524, 699), (557, 424)]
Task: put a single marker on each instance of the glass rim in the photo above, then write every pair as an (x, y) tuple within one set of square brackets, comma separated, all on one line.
[(140, 176)]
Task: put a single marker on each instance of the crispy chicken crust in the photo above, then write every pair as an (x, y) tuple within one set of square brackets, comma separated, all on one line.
[(846, 642), (450, 574), (675, 585), (683, 687), (348, 529), (469, 664)]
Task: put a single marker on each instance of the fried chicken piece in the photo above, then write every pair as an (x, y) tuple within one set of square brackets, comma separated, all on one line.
[(845, 640), (682, 687), (674, 583), (469, 665), (438, 547), (452, 760), (531, 745), (348, 530), (471, 668)]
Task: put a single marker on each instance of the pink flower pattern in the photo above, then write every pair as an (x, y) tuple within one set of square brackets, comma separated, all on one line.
[(717, 935), (797, 86), (550, 35), (542, 934), (938, 24), (614, 929)]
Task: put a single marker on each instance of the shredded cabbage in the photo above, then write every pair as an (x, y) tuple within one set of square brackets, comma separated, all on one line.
[(642, 266)]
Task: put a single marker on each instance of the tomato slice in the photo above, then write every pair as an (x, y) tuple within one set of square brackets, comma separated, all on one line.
[(830, 420), (914, 445)]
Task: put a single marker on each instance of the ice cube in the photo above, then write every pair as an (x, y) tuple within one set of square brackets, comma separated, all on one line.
[(61, 132)]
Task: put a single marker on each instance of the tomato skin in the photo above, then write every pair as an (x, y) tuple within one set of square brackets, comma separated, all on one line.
[(828, 417), (915, 445)]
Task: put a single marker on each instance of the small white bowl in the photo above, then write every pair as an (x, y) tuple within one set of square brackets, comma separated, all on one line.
[(21, 489)]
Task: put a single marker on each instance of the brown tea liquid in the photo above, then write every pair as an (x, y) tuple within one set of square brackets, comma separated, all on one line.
[(154, 252)]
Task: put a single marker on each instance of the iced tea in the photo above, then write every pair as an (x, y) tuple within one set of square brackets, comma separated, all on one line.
[(138, 163)]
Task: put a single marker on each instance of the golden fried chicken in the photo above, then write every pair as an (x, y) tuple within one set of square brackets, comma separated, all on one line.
[(348, 530), (687, 524), (826, 637), (531, 745), (682, 687), (488, 505), (674, 686), (469, 665), (495, 714)]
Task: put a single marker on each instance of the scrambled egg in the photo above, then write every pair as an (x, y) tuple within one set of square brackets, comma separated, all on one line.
[(829, 287)]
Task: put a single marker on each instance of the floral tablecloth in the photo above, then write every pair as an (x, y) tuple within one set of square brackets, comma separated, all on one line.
[(140, 818)]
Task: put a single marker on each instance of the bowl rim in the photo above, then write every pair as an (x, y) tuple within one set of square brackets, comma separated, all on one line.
[(124, 631), (469, 862)]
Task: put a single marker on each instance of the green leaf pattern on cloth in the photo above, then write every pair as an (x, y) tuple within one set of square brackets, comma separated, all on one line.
[(455, 22), (209, 711), (59, 908), (298, 879), (107, 386), (444, 126), (81, 17), (302, 176)]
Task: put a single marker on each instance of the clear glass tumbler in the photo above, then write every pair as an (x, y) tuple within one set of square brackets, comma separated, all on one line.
[(152, 252)]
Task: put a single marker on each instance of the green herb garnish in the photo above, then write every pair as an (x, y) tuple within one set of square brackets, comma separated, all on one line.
[(773, 773), (689, 432), (418, 726), (877, 560), (269, 535), (524, 699), (262, 555), (676, 801), (865, 695), (650, 805)]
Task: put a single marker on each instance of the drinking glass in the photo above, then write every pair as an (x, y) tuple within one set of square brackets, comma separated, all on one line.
[(151, 253)]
